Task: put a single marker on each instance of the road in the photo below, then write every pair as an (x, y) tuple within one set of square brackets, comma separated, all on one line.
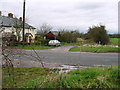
[(61, 55)]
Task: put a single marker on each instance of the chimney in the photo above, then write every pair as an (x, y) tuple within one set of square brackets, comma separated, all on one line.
[(10, 15), (0, 13), (20, 19)]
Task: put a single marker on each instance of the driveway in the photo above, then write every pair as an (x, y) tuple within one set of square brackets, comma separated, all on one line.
[(60, 49)]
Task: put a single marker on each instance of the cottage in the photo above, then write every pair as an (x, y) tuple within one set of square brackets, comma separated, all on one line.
[(13, 25), (49, 36)]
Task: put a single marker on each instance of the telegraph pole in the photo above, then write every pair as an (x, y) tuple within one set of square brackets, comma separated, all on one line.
[(24, 21)]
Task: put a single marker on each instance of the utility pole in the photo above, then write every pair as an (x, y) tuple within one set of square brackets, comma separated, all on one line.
[(23, 21)]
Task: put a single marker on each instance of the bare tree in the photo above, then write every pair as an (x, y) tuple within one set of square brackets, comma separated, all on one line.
[(44, 29), (18, 27)]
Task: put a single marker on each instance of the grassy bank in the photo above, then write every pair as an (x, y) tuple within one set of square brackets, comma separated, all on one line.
[(38, 47), (99, 49), (96, 77)]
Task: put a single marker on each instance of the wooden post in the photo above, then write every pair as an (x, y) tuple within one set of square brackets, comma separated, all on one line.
[(24, 21)]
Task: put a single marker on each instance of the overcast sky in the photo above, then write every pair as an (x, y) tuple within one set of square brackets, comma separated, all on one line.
[(68, 14)]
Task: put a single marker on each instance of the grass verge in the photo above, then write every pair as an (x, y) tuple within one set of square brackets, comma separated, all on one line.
[(96, 77), (65, 43), (38, 47), (18, 76), (100, 49)]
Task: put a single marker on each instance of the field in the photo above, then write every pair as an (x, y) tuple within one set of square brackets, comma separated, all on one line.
[(95, 77), (99, 49), (115, 41)]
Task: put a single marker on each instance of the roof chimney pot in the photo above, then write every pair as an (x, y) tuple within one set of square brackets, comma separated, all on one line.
[(20, 19), (10, 15)]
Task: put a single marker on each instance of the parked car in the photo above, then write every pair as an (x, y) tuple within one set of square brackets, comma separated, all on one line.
[(54, 43)]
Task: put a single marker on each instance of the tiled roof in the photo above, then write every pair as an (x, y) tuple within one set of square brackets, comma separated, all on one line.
[(9, 22)]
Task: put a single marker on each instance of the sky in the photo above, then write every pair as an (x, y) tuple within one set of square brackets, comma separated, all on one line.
[(66, 14)]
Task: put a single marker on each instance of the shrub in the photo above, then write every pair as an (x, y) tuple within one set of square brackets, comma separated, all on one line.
[(98, 34), (68, 36), (44, 42)]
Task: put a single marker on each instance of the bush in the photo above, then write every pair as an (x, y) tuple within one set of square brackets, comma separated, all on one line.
[(44, 42), (98, 34), (68, 36), (38, 40)]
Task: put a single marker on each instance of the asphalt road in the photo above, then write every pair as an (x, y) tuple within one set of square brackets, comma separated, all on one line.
[(80, 58), (61, 55)]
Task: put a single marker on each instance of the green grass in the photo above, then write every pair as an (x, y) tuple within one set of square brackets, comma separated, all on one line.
[(38, 47), (95, 77), (95, 49), (23, 75), (65, 43), (91, 78), (115, 41)]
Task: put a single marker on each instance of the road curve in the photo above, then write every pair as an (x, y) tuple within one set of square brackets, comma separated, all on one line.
[(61, 55)]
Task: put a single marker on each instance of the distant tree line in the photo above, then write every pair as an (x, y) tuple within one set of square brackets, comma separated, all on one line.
[(97, 34), (114, 35)]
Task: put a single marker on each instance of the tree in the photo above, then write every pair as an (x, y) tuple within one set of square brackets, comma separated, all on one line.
[(44, 29), (18, 28), (98, 34), (114, 35)]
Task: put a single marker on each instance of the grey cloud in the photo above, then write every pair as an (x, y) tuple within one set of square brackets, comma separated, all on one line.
[(74, 14), (89, 5), (60, 11)]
